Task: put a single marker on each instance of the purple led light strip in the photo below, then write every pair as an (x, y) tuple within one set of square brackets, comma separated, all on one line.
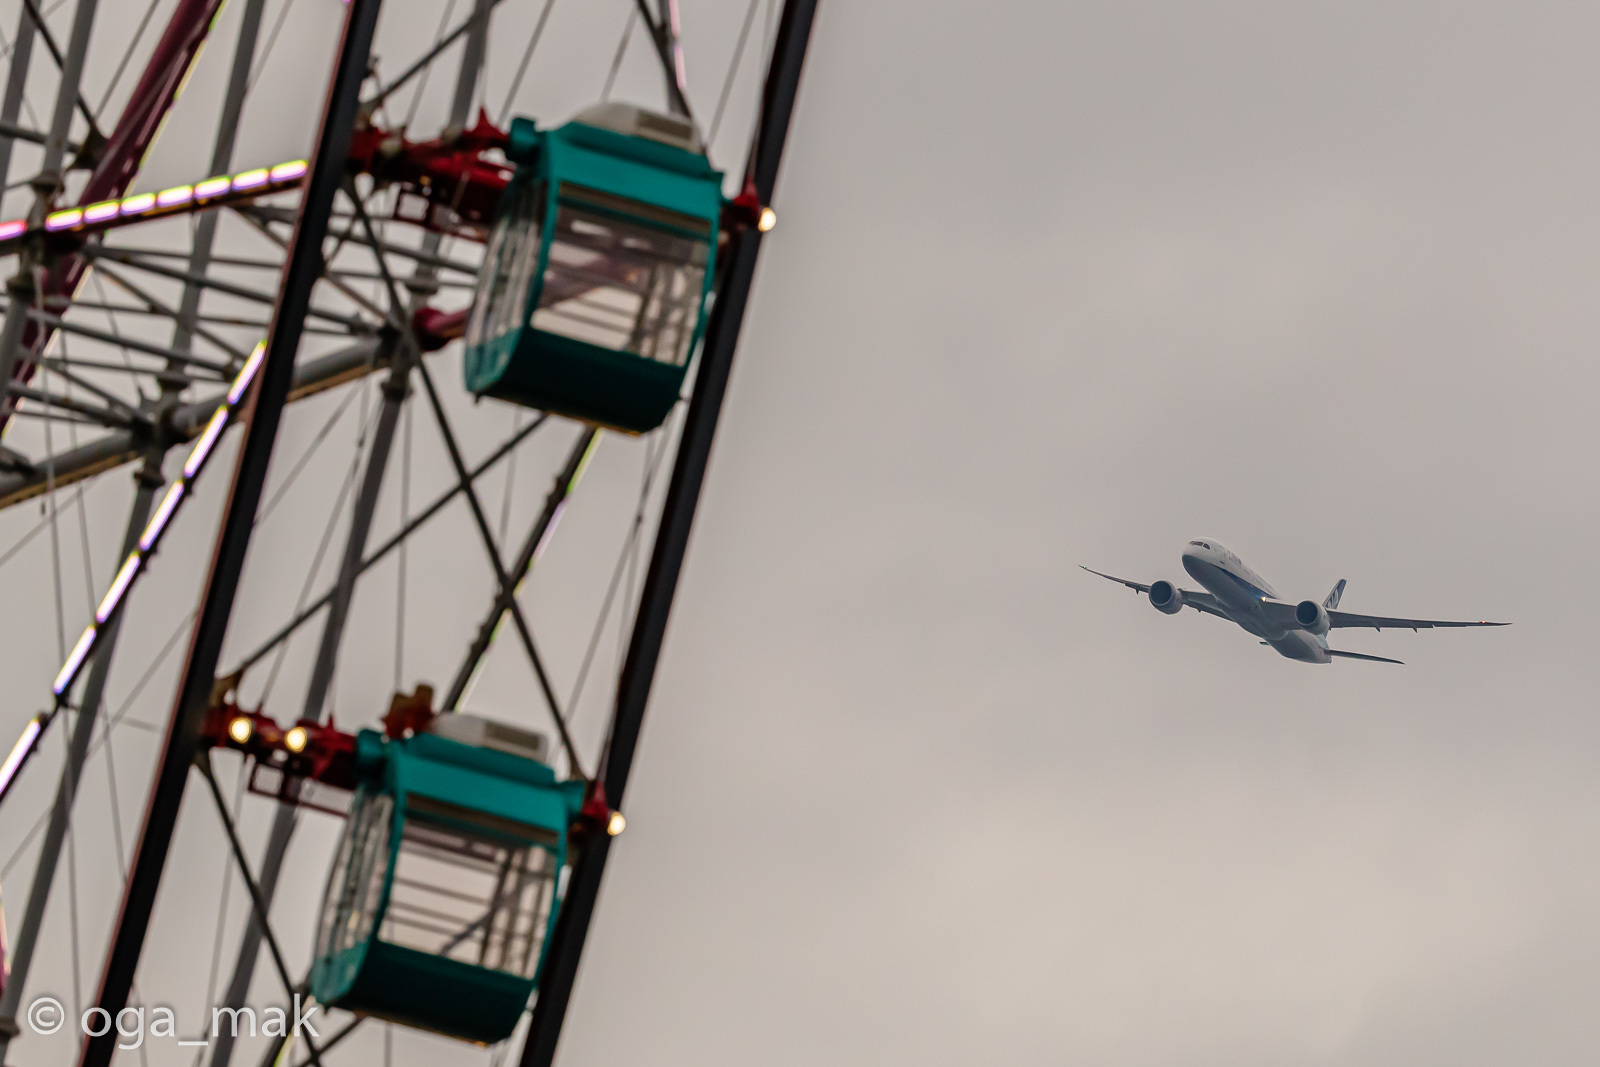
[(250, 183), (20, 753), (133, 566)]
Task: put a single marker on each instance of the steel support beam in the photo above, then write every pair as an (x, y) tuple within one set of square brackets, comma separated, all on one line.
[(184, 422), (148, 480), (265, 406), (677, 76), (45, 186), (662, 41), (396, 386), (566, 481), (16, 87), (258, 903), (205, 234), (284, 819), (672, 535), (48, 182)]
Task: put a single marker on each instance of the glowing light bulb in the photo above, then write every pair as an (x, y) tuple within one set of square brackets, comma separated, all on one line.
[(616, 824), (240, 729), (250, 179), (69, 670), (767, 220), (63, 220), (20, 752), (295, 740)]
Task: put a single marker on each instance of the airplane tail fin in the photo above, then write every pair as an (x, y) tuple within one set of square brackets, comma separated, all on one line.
[(1333, 598), (1358, 655)]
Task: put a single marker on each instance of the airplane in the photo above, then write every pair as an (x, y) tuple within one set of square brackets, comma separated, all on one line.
[(1235, 592)]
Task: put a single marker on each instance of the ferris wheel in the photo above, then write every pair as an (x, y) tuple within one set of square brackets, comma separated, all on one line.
[(306, 349)]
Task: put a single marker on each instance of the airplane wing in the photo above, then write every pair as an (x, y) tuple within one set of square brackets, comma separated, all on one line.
[(1202, 602), (1283, 612), (1347, 618)]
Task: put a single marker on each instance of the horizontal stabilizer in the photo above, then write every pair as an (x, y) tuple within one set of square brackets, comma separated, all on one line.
[(1358, 655)]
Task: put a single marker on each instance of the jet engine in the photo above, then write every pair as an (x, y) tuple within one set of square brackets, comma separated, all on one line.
[(1166, 598), (1311, 616)]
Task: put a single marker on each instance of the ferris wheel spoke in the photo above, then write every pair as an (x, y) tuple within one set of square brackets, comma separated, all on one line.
[(237, 354), (218, 371), (502, 579), (351, 235), (22, 133), (131, 257), (63, 64), (331, 278), (627, 560), (256, 326), (394, 542), (733, 71), (88, 414), (565, 482), (522, 66), (64, 419), (258, 903), (374, 276), (664, 43), (62, 368), (14, 100), (374, 102), (274, 265), (52, 363), (127, 55)]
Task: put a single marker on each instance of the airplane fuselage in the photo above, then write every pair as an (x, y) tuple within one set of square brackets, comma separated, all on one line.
[(1239, 591)]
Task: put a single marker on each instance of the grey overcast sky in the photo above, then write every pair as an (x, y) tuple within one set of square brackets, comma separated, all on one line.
[(1053, 284)]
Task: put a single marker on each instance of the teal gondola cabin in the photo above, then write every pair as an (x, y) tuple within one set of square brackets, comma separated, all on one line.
[(596, 278), (445, 885)]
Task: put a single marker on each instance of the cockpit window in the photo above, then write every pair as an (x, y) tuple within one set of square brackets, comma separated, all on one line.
[(1202, 544)]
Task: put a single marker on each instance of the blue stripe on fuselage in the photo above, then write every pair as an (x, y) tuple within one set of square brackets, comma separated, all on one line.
[(1201, 570), (1255, 591)]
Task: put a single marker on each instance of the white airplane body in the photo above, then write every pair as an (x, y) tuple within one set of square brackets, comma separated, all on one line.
[(1235, 592)]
